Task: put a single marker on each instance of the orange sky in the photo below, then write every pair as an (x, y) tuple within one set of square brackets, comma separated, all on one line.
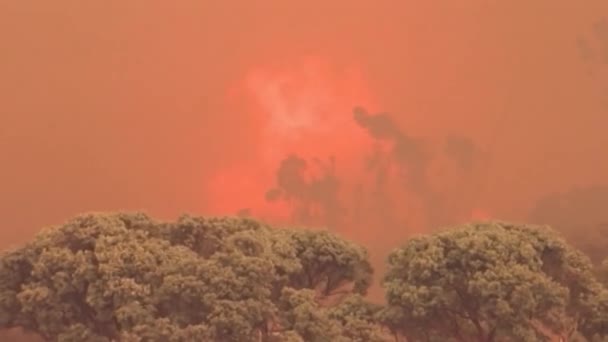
[(127, 104)]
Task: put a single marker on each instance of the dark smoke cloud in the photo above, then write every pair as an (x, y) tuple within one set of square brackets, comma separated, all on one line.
[(409, 153), (464, 152), (374, 199), (379, 126), (413, 157), (313, 197), (581, 214), (397, 174)]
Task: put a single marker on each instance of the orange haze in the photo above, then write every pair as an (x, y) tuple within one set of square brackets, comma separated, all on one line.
[(210, 107), (303, 106)]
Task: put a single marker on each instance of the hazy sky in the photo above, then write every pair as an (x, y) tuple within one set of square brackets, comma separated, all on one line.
[(134, 105)]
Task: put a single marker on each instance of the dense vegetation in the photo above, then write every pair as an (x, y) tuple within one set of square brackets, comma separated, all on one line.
[(127, 277)]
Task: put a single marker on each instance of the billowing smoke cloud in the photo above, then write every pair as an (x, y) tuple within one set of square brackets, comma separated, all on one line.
[(581, 214), (321, 159), (313, 200), (394, 188), (406, 151), (299, 112), (464, 152)]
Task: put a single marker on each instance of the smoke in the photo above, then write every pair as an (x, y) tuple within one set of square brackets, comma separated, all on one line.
[(297, 111), (600, 30), (313, 199), (464, 152), (593, 50), (580, 214), (325, 157), (194, 107), (408, 153), (593, 47), (414, 160)]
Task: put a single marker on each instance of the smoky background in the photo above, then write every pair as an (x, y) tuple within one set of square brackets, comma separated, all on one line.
[(483, 110)]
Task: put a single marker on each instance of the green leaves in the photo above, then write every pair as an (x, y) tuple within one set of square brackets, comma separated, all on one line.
[(103, 277), (485, 281), (329, 263)]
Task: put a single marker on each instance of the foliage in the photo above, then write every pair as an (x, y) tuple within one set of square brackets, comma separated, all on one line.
[(594, 314), (487, 282), (103, 277), (128, 277), (358, 317), (329, 263)]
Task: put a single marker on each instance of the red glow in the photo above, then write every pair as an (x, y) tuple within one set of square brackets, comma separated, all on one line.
[(304, 108), (478, 214)]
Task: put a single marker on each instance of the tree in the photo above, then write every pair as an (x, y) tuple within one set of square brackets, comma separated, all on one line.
[(103, 277), (358, 317), (594, 317), (486, 282), (353, 320), (329, 264)]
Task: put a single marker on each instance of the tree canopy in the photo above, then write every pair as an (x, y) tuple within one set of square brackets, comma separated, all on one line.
[(127, 277), (490, 282)]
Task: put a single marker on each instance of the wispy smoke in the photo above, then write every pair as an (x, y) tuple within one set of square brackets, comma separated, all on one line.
[(407, 151), (573, 212), (593, 47), (600, 29), (396, 184), (464, 152), (314, 197)]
